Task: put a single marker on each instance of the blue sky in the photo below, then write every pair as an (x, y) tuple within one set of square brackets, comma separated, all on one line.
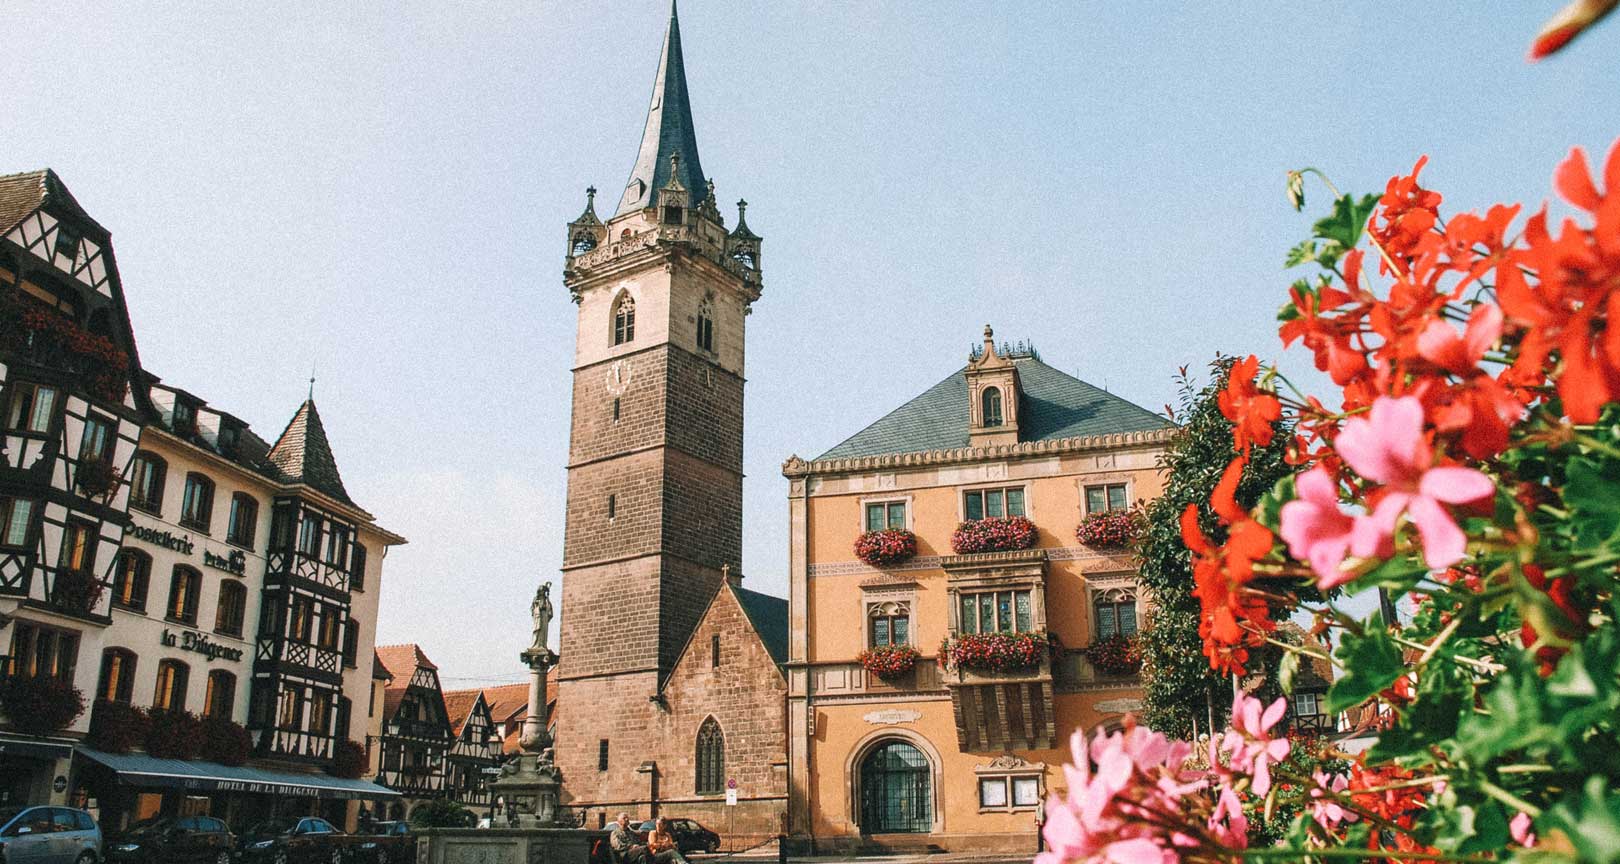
[(380, 192)]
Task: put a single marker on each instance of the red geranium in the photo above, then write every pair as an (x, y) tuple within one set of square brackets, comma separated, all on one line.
[(889, 662), (996, 652), (1111, 529), (887, 547), (995, 534)]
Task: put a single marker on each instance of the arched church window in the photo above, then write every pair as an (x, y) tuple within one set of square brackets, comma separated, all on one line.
[(624, 320), (991, 403), (705, 326), (711, 759)]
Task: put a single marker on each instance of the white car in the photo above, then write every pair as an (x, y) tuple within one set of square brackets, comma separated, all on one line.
[(48, 835)]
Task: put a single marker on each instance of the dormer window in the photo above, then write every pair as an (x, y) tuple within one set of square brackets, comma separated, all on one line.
[(184, 418), (990, 400), (624, 320), (673, 214)]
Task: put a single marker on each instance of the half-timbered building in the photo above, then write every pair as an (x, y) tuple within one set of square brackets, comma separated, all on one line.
[(73, 409), (416, 735), (474, 748)]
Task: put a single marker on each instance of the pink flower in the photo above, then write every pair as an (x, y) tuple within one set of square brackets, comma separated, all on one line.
[(1519, 829), (1249, 740), (1388, 448), (1316, 530), (1228, 823), (1326, 811)]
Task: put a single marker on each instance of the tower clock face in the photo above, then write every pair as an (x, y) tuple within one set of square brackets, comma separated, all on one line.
[(617, 377)]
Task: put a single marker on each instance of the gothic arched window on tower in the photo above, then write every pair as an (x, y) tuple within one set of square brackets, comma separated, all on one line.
[(991, 401), (711, 759), (624, 320), (705, 327)]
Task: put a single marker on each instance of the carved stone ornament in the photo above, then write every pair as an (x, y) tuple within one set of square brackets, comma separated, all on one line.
[(1119, 706), (1005, 762), (891, 717)]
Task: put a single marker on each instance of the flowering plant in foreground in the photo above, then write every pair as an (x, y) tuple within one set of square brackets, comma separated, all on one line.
[(886, 547), (1469, 465), (993, 534), (888, 662)]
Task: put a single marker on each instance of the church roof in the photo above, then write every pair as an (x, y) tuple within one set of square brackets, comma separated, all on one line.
[(1055, 405), (303, 455), (769, 615), (669, 130)]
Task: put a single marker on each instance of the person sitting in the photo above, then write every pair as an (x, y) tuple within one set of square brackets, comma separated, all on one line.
[(661, 843), (623, 843)]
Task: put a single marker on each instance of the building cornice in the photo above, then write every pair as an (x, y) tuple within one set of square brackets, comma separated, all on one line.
[(796, 468)]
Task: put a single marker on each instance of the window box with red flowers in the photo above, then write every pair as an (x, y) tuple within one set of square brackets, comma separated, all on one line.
[(76, 592), (995, 534), (889, 662), (887, 547), (348, 760), (40, 704), (224, 741), (1111, 529), (173, 734), (1115, 655), (117, 727), (996, 652)]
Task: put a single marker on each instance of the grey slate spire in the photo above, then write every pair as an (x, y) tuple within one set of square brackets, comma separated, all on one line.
[(669, 130)]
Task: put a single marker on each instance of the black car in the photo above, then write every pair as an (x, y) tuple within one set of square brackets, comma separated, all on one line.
[(689, 835), (294, 840), (185, 840)]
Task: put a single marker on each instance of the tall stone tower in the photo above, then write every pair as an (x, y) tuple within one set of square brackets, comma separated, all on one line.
[(655, 456)]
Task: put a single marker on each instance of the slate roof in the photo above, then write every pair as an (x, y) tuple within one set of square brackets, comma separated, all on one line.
[(22, 194), (1055, 405), (669, 130), (304, 455), (769, 615)]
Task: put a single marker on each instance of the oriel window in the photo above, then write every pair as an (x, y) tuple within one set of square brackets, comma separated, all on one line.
[(292, 707), (996, 612), (309, 535), (302, 612), (32, 408), (331, 628)]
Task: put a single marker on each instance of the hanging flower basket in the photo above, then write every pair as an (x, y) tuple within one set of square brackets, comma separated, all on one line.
[(172, 734), (995, 534), (97, 477), (889, 662), (886, 548), (41, 704), (116, 727), (1115, 655), (224, 741), (348, 760), (997, 652), (76, 592), (54, 340), (1111, 529)]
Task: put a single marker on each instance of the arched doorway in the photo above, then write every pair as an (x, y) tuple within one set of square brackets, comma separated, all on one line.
[(896, 790)]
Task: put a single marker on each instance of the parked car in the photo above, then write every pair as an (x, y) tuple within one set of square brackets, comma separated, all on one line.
[(185, 840), (294, 840), (689, 835), (386, 843), (48, 835)]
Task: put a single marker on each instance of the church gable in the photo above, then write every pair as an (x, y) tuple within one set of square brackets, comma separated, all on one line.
[(745, 621)]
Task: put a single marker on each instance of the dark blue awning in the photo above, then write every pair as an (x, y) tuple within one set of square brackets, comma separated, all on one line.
[(139, 769), (34, 748)]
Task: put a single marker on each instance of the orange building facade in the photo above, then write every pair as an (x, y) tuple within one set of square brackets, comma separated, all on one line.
[(954, 755)]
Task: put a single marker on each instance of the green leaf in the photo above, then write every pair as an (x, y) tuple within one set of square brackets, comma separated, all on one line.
[(1592, 821), (1398, 574), (1371, 661), (1305, 251), (1593, 507), (1349, 217)]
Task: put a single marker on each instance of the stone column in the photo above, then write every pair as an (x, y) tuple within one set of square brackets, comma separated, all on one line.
[(539, 661)]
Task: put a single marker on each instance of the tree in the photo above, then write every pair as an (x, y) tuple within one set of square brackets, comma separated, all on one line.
[(442, 813), (1183, 692)]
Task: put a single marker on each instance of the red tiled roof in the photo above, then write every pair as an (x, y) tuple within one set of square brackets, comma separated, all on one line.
[(458, 705), (401, 660)]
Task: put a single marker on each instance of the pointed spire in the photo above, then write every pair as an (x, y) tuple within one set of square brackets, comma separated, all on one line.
[(668, 132), (304, 455)]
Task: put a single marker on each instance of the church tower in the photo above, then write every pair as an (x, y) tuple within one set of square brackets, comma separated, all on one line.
[(654, 511)]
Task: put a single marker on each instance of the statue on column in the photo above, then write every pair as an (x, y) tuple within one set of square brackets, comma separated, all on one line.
[(541, 610)]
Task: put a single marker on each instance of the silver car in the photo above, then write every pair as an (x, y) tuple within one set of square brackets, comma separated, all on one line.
[(48, 835)]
